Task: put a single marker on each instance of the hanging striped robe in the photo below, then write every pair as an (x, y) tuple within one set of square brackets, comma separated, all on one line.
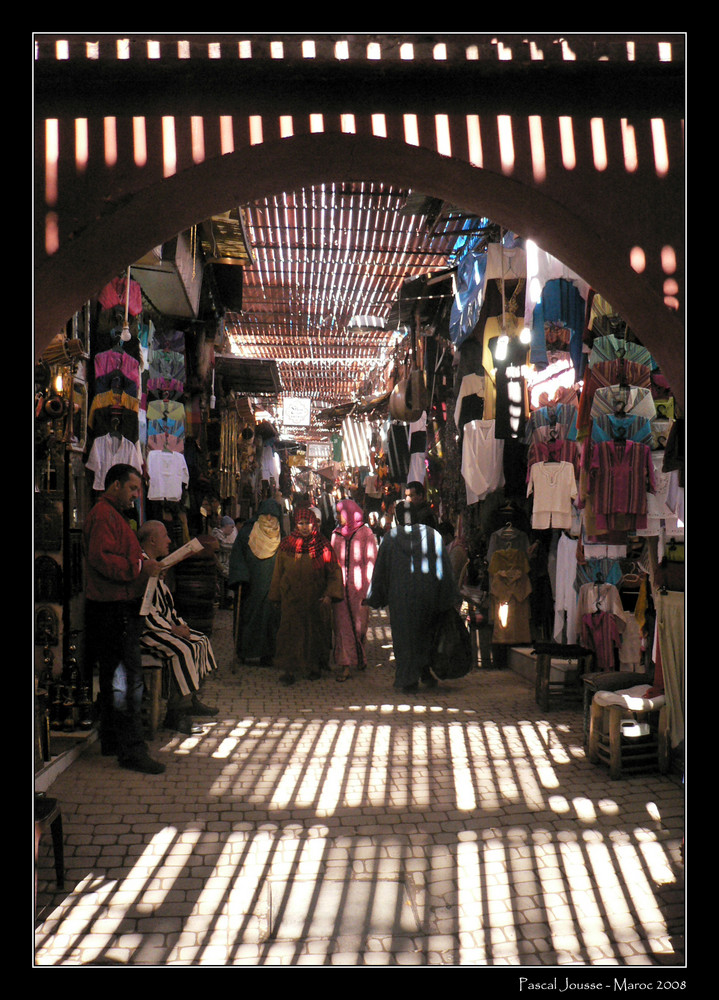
[(190, 659), (620, 477)]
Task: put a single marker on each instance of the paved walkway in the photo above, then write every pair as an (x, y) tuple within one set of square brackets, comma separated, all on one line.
[(339, 825)]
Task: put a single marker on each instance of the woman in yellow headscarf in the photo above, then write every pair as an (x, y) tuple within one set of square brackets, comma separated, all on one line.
[(252, 562)]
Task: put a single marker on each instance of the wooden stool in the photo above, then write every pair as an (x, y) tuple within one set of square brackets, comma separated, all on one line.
[(153, 665), (545, 687), (645, 749), (48, 814)]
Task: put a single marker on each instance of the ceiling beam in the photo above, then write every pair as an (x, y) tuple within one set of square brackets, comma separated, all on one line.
[(96, 88)]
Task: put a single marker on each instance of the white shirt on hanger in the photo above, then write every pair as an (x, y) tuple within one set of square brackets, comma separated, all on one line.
[(168, 473)]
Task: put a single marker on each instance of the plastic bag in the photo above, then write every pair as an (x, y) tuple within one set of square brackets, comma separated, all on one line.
[(452, 647)]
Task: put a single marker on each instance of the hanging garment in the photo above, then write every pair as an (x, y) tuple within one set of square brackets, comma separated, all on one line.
[(116, 420), (558, 323), (620, 476), (168, 473), (630, 400), (630, 649), (599, 597), (115, 294), (611, 348), (114, 400), (510, 589), (602, 633), (470, 402), (169, 340), (110, 362), (270, 464), (553, 450), (608, 569), (167, 365), (562, 417), (165, 425), (356, 442), (161, 387), (553, 486), (565, 594), (608, 427), (482, 460), (417, 450), (511, 404), (398, 452), (607, 373), (109, 450), (508, 537), (542, 268), (467, 299), (118, 382)]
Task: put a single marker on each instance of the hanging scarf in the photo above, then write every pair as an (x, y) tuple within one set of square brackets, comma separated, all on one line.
[(353, 517), (314, 545)]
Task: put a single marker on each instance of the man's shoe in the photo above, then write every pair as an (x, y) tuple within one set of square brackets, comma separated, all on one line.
[(144, 764), (199, 709), (181, 724), (287, 679)]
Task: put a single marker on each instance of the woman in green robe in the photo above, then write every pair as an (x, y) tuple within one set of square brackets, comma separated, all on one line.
[(252, 562), (307, 578)]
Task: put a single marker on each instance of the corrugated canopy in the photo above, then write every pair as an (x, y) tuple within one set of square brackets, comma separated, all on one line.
[(330, 262)]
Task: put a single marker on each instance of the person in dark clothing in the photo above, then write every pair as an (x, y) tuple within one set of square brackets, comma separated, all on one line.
[(413, 578), (420, 507)]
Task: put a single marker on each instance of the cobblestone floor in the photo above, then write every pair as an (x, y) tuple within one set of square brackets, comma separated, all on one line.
[(341, 825)]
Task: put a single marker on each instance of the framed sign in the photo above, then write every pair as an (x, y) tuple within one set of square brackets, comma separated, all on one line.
[(296, 411)]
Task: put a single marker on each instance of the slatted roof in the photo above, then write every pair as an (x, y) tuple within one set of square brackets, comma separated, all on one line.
[(329, 264)]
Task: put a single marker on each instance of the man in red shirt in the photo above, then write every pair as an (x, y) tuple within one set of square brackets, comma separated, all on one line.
[(116, 576)]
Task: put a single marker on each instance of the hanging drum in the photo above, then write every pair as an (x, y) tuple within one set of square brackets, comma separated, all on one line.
[(195, 588)]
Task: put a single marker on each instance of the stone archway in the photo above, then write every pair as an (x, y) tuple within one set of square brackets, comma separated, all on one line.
[(159, 211)]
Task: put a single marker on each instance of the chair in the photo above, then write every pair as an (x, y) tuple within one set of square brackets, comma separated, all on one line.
[(629, 731), (49, 814), (555, 655)]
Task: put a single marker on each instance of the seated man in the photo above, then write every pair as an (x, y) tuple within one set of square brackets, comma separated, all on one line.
[(189, 652)]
